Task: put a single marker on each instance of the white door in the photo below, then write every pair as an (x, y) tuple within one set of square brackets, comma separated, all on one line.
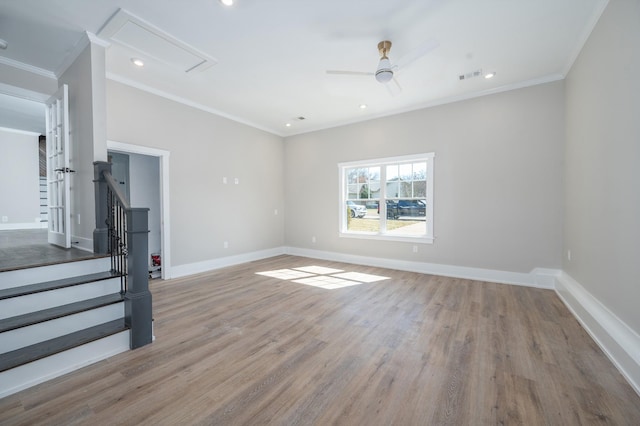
[(58, 172)]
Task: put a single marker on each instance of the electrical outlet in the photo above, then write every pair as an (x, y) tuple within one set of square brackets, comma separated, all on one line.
[(313, 239), (415, 249), (225, 244), (275, 212), (224, 180), (5, 219), (236, 181), (569, 255)]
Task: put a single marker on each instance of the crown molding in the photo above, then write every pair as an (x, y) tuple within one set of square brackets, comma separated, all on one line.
[(26, 67)]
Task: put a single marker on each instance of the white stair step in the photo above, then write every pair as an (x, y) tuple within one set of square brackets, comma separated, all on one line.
[(27, 375), (9, 279), (15, 306), (36, 333)]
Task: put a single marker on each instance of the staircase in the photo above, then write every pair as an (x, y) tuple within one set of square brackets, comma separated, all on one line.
[(55, 319), (44, 209)]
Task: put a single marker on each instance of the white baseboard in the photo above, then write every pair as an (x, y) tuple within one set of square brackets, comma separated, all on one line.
[(538, 277), (222, 262), (81, 243), (28, 225), (617, 340)]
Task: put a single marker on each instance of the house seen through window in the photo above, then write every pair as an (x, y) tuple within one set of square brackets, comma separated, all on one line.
[(389, 198)]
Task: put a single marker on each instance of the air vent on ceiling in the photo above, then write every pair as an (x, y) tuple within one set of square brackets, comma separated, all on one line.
[(150, 41), (472, 74)]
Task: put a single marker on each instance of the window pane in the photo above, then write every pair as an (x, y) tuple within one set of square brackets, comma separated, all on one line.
[(405, 189), (392, 173), (406, 218), (363, 216), (374, 182), (420, 189), (364, 191), (406, 228), (352, 191), (405, 171), (411, 209), (363, 175), (374, 174), (419, 171), (392, 189), (352, 175)]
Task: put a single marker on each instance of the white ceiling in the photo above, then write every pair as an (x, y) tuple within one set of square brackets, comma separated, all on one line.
[(272, 56)]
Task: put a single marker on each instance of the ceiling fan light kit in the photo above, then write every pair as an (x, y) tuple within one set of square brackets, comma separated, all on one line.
[(384, 74)]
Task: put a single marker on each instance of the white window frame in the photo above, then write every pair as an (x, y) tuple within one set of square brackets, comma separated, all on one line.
[(381, 234)]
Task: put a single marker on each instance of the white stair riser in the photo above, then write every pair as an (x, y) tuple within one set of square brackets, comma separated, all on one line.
[(27, 375), (48, 299), (25, 336), (10, 279)]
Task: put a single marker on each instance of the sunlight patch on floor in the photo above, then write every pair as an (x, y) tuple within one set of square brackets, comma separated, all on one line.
[(322, 277), (322, 270), (285, 274)]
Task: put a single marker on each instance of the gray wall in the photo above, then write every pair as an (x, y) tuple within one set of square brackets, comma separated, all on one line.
[(20, 187), (204, 149), (498, 174), (602, 175)]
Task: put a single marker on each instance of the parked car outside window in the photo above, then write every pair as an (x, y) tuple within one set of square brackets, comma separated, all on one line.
[(392, 209), (411, 208), (356, 210)]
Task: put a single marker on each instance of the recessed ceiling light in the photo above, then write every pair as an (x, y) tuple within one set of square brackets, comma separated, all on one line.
[(363, 106), (227, 2), (288, 124), (490, 75), (137, 62)]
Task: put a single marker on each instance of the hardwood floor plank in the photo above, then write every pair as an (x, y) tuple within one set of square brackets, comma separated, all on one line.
[(234, 347)]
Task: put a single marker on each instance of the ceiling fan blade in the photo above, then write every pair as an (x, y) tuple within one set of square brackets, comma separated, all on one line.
[(338, 72), (416, 53), (393, 87)]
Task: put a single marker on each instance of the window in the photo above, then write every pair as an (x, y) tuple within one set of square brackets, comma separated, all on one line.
[(388, 198)]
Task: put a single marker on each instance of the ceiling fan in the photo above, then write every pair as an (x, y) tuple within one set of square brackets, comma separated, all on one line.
[(385, 72)]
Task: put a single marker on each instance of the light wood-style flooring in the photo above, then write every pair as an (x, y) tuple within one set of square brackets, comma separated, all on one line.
[(236, 348), (26, 248)]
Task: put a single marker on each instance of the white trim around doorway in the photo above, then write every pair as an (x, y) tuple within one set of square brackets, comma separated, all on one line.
[(165, 235)]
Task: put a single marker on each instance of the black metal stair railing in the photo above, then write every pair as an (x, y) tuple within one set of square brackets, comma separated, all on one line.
[(117, 234), (122, 232)]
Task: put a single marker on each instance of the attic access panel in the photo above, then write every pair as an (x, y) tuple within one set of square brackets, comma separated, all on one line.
[(150, 41)]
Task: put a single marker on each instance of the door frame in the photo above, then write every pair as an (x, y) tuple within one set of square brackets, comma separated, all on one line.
[(165, 222)]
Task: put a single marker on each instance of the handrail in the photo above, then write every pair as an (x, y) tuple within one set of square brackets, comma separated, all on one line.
[(113, 184), (125, 238)]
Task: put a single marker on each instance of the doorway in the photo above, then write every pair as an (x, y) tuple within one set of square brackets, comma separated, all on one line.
[(143, 174)]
